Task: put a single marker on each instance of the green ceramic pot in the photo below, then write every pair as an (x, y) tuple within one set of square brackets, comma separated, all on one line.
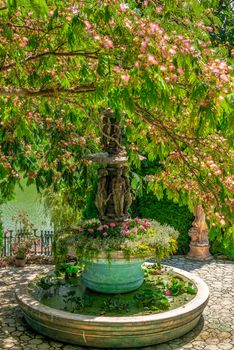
[(115, 276)]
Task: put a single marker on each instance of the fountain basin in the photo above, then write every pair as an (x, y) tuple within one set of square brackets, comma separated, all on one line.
[(114, 332), (115, 276)]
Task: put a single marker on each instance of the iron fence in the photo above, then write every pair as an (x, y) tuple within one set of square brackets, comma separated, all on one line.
[(41, 246)]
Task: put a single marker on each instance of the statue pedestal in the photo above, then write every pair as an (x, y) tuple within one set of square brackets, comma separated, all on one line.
[(199, 251)]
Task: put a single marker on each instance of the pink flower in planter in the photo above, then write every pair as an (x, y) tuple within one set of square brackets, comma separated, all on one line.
[(168, 293), (135, 230), (104, 234), (91, 230), (81, 229), (100, 228), (105, 226), (142, 227), (112, 224)]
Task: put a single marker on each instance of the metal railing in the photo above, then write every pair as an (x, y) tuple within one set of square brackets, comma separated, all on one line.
[(41, 246)]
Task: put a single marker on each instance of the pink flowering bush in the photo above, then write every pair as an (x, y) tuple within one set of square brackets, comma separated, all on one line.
[(134, 238), (25, 236), (22, 248)]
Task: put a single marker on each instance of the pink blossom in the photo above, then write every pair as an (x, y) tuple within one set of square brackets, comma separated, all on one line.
[(137, 64), (125, 77), (151, 59), (87, 24), (222, 222), (112, 22), (51, 13), (104, 234), (135, 230), (112, 224), (100, 228), (224, 77), (105, 226), (108, 43), (172, 51), (171, 67), (174, 77), (117, 68), (159, 9), (142, 227), (137, 220), (167, 293), (23, 42), (123, 7), (91, 230), (163, 68), (80, 229), (180, 70), (143, 46), (53, 72), (152, 28), (97, 37)]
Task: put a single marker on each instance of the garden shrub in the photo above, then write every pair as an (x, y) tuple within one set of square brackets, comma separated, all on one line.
[(166, 212)]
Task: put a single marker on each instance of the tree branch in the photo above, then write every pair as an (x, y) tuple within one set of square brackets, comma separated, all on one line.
[(53, 53), (46, 92)]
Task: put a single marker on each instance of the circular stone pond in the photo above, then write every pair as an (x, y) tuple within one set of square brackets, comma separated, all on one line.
[(71, 313)]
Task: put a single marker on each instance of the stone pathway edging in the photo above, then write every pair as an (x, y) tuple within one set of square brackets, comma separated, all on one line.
[(215, 331)]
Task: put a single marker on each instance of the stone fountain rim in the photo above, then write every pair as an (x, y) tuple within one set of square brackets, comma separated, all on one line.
[(25, 299)]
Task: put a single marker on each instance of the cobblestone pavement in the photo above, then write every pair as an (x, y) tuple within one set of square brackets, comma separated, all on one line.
[(214, 332)]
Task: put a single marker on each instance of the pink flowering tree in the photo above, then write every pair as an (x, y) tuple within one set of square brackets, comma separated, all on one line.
[(153, 62)]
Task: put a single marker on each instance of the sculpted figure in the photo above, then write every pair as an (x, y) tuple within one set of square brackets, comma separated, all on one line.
[(101, 197), (118, 190), (127, 193), (199, 231)]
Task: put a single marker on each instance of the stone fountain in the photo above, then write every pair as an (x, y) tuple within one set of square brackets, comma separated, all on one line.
[(113, 197), (113, 200)]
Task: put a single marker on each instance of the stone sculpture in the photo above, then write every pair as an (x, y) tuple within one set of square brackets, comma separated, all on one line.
[(118, 190), (101, 197), (111, 133), (127, 193), (199, 245), (113, 197), (199, 230)]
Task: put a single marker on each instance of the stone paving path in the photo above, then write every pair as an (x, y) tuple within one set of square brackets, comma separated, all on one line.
[(214, 332)]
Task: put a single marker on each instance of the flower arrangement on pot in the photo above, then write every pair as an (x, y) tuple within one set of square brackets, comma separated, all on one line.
[(113, 253), (21, 249)]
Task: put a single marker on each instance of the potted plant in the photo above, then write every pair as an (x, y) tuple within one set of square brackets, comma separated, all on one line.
[(24, 238), (21, 249), (113, 254)]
